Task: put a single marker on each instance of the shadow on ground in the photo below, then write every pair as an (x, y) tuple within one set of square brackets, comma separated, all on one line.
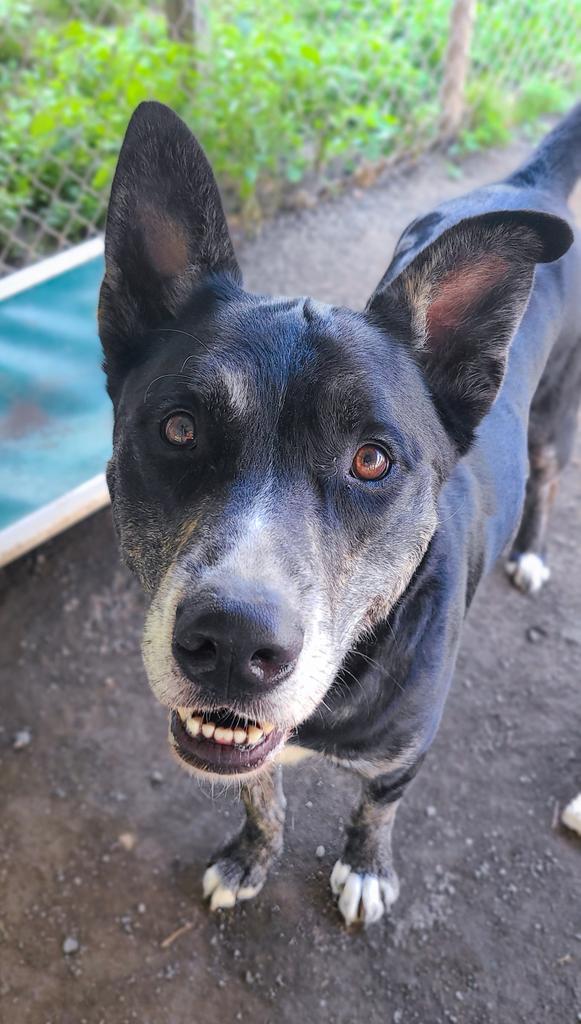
[(103, 839)]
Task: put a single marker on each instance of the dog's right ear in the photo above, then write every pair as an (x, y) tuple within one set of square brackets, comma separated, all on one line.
[(458, 303), (166, 230)]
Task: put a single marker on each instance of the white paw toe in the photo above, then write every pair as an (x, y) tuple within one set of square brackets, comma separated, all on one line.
[(211, 880), (371, 899), (362, 897), (219, 894), (224, 895), (247, 892), (339, 876), (222, 898), (350, 897), (528, 572)]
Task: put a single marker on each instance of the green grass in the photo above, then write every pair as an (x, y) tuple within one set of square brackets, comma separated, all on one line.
[(282, 90)]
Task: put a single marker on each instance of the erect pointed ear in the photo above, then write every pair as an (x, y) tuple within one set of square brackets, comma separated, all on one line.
[(165, 230), (459, 302)]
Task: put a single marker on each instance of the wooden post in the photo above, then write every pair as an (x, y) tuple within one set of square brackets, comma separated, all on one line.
[(456, 64), (185, 21)]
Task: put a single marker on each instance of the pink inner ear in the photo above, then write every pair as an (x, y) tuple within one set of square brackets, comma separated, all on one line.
[(165, 242), (459, 292)]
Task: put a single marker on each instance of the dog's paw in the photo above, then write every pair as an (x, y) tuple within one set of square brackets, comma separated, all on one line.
[(363, 897), (527, 572), (228, 882)]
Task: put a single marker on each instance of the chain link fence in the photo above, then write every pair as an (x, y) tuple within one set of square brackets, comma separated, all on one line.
[(289, 97)]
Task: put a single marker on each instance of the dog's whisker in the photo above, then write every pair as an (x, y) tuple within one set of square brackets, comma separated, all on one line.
[(381, 669), (162, 376)]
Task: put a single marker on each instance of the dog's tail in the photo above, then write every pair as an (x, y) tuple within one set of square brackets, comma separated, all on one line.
[(556, 163)]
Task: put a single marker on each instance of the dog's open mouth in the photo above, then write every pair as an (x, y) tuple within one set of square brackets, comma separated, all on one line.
[(221, 742)]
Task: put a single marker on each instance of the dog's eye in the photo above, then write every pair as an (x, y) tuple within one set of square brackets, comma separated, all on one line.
[(179, 429), (370, 463)]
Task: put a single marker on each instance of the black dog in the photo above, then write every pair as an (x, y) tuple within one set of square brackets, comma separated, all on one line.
[(311, 494)]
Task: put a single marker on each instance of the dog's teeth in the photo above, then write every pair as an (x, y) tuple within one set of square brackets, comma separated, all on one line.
[(249, 736), (254, 734), (223, 735), (193, 726)]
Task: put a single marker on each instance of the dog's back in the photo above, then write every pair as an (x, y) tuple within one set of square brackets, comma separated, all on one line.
[(544, 366), (544, 182)]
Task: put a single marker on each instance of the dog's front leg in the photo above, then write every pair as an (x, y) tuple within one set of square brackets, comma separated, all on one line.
[(364, 878), (238, 871)]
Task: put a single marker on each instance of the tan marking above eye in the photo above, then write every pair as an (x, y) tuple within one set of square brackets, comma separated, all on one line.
[(179, 429), (370, 463)]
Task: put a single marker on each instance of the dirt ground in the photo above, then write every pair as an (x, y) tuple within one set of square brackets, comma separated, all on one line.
[(103, 838)]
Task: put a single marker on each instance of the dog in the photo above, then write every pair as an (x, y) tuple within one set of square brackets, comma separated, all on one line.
[(311, 494)]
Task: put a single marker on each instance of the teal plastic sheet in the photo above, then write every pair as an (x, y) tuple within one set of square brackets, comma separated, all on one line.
[(55, 416)]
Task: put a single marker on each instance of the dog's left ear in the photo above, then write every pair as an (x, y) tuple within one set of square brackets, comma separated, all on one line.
[(459, 302), (166, 230)]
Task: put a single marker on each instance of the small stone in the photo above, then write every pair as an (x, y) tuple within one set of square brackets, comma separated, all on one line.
[(431, 811), (70, 946), (249, 978), (398, 1017), (141, 908), (127, 840), (156, 778), (22, 739), (320, 852), (536, 634)]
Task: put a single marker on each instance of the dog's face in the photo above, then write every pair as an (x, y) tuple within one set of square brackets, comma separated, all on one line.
[(268, 457), (276, 463)]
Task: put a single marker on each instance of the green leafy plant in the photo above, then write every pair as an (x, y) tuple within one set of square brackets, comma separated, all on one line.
[(278, 92)]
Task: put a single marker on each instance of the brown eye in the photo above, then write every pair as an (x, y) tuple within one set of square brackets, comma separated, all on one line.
[(370, 463), (179, 429)]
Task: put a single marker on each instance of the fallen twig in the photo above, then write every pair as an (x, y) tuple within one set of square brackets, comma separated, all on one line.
[(167, 942)]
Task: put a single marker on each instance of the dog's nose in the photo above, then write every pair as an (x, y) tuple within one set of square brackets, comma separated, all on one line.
[(233, 645)]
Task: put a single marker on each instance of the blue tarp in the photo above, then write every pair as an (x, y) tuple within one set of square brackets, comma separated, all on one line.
[(55, 416)]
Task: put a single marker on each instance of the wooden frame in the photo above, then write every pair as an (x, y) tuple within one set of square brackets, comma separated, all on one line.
[(73, 506)]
